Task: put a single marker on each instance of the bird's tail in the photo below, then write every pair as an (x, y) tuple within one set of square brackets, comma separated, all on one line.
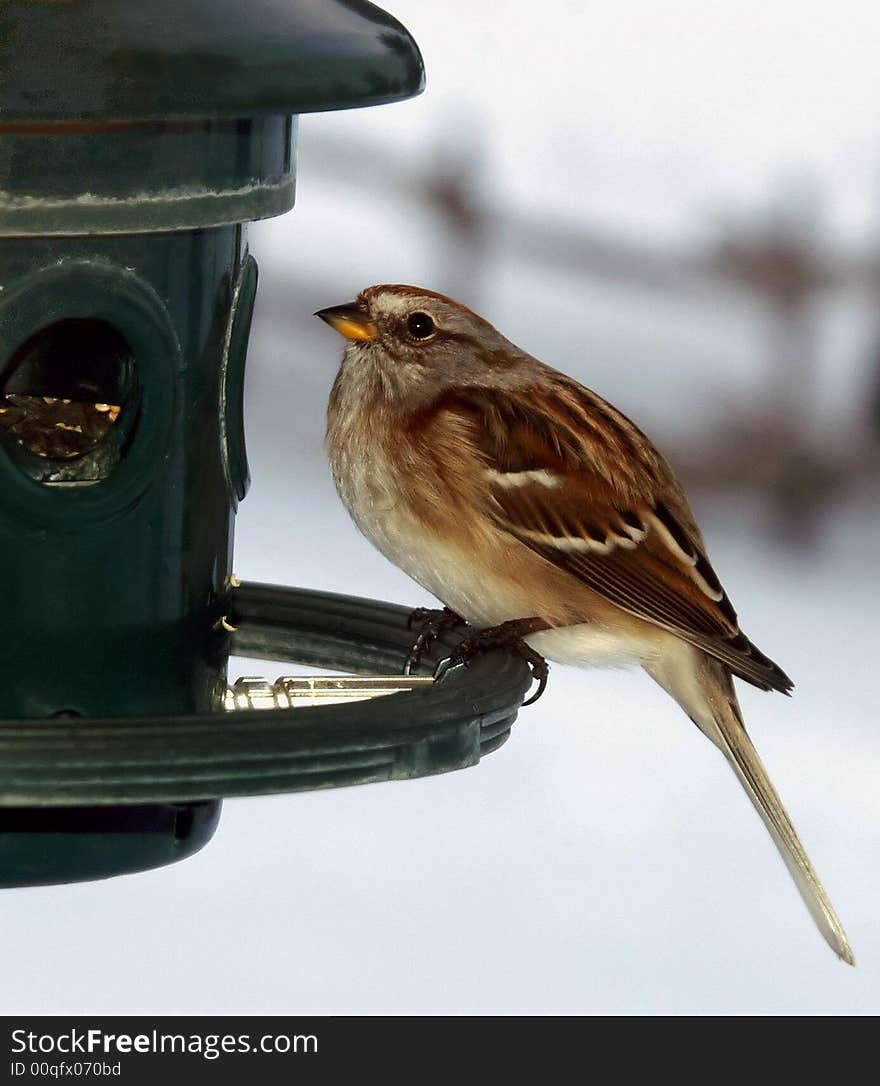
[(705, 691)]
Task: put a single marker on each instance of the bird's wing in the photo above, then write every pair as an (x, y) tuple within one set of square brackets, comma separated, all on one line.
[(577, 482)]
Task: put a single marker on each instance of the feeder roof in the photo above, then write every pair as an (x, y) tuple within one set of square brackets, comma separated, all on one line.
[(104, 60)]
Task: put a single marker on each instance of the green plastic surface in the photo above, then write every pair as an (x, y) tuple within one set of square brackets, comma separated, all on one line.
[(109, 60), (174, 114), (42, 846), (175, 758), (145, 177), (112, 588)]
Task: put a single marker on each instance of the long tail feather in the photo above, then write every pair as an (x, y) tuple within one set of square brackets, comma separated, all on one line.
[(709, 699)]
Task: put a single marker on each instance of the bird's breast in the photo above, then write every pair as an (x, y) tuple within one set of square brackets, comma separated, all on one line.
[(424, 522), (482, 575)]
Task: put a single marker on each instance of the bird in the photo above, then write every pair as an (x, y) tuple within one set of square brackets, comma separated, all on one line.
[(524, 501)]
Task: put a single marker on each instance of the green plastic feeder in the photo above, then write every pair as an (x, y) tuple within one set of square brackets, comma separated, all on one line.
[(136, 141)]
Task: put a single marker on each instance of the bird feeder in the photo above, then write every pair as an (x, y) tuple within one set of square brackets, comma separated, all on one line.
[(136, 142)]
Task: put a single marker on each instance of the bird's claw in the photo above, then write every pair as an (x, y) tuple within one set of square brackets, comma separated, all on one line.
[(508, 635), (432, 623), (540, 671)]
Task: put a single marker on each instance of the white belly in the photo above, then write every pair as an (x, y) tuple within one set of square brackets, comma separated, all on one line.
[(588, 644)]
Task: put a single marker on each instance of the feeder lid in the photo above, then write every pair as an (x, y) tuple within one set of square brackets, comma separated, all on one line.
[(110, 60)]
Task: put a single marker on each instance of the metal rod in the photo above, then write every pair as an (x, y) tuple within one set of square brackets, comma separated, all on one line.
[(289, 691)]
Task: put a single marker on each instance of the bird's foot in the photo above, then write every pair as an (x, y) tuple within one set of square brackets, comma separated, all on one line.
[(540, 670), (432, 624), (508, 635)]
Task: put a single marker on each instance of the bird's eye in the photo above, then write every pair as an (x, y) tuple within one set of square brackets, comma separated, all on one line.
[(421, 325)]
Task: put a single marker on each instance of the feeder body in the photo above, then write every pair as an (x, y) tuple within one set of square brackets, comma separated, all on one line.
[(112, 587), (136, 142)]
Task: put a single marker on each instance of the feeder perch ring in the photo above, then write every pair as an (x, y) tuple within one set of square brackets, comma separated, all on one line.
[(435, 727)]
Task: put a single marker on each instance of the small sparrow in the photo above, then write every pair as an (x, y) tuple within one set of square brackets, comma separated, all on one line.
[(517, 496)]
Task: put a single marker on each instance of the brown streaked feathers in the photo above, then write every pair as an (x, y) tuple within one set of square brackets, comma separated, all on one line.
[(663, 577)]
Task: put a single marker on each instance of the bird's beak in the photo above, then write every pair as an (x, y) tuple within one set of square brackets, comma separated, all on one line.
[(349, 320)]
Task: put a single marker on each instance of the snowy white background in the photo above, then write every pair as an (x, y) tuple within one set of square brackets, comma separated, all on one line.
[(605, 859)]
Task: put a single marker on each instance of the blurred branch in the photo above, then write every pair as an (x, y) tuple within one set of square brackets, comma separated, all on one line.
[(766, 261)]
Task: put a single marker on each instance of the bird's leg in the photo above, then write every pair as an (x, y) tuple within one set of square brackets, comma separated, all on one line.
[(507, 635), (431, 623)]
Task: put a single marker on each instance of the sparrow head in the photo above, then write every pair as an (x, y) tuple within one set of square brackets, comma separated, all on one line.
[(417, 342)]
